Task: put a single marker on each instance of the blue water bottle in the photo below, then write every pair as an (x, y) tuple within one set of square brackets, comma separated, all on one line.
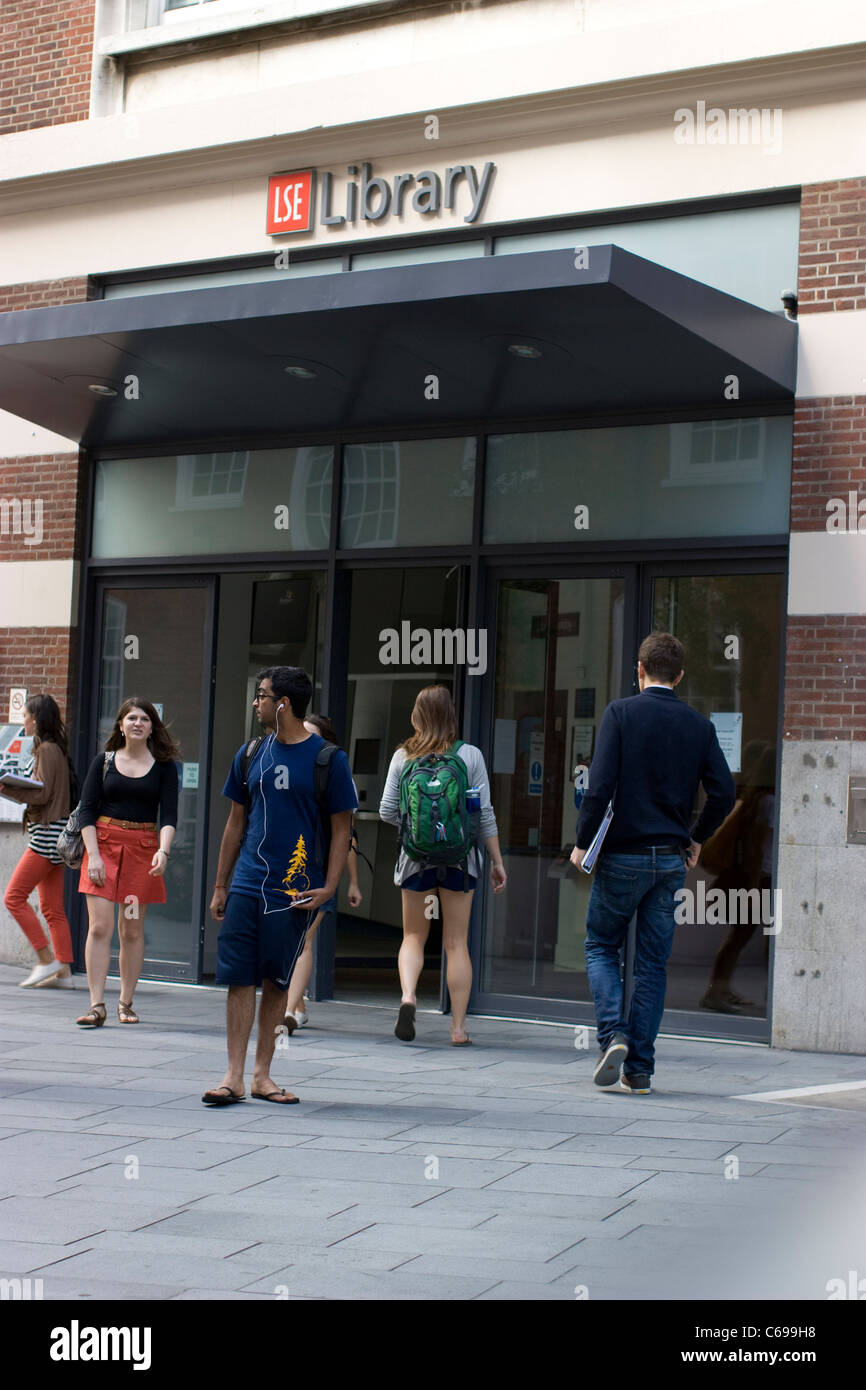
[(473, 800)]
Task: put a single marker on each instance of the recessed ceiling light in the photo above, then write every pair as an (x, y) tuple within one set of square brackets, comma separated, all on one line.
[(523, 350), (303, 372), (99, 390)]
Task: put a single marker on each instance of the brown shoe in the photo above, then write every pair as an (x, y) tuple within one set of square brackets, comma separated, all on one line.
[(126, 1013), (94, 1018)]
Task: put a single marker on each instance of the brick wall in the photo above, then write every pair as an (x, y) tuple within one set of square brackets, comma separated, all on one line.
[(46, 76), (41, 294), (44, 524), (829, 457), (825, 677), (833, 246), (41, 659), (825, 658)]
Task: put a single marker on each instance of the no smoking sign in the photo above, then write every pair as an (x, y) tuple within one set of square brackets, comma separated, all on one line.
[(17, 705)]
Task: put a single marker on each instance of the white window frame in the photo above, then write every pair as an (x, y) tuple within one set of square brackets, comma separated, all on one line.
[(743, 468), (189, 467)]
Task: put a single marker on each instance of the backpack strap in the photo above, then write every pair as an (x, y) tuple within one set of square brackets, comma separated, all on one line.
[(250, 752), (355, 844), (321, 778)]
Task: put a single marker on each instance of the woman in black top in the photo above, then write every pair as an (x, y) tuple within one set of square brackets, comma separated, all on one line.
[(127, 791)]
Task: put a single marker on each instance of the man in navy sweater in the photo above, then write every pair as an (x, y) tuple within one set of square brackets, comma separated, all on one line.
[(651, 754)]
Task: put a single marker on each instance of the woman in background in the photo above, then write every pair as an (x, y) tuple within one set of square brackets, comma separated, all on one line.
[(434, 720), (123, 799), (40, 866)]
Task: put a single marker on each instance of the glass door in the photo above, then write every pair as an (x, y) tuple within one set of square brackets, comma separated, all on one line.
[(266, 618), (731, 627), (400, 625), (155, 643), (563, 652)]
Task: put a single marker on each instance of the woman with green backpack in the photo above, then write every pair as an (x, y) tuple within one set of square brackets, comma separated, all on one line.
[(437, 794)]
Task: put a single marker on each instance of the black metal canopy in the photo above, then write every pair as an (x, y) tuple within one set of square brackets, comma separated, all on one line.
[(621, 334)]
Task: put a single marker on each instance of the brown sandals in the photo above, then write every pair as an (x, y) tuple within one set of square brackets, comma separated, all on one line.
[(126, 1013), (94, 1018)]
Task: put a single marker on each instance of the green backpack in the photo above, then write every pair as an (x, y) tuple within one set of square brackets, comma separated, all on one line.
[(435, 827)]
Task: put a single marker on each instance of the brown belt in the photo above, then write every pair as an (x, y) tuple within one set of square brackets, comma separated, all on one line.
[(127, 824)]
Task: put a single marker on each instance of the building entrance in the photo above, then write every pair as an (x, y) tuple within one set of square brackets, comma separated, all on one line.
[(381, 691), (562, 653)]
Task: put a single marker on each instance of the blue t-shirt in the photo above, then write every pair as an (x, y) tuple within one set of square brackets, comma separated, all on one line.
[(281, 849)]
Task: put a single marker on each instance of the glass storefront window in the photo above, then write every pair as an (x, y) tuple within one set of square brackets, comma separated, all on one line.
[(688, 479), (232, 502), (408, 492)]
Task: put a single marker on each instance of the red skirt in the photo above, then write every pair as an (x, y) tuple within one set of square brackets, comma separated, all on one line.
[(128, 858)]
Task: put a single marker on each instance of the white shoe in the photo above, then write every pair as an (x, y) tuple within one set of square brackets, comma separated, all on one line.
[(58, 982), (40, 973), (302, 1019)]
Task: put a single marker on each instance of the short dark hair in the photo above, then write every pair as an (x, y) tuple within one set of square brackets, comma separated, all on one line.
[(663, 656), (291, 681)]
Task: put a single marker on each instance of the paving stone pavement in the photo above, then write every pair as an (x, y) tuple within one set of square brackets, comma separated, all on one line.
[(497, 1172)]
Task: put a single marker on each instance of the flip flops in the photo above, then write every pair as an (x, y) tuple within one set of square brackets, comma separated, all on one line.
[(278, 1097), (214, 1098), (404, 1028)]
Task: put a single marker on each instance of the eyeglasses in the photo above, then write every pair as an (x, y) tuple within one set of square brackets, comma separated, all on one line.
[(262, 695)]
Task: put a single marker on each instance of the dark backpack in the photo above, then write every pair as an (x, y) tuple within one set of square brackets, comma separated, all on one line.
[(436, 830)]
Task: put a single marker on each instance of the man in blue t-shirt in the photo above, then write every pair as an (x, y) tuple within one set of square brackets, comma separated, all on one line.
[(274, 852)]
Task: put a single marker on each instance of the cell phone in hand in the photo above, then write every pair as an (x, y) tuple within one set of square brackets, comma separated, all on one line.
[(300, 902)]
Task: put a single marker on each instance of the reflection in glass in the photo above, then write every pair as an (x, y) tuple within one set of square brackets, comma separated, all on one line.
[(692, 478), (408, 492), (214, 503), (730, 628)]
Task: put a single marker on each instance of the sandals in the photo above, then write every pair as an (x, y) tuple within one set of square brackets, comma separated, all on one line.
[(404, 1029), (222, 1095), (126, 1013), (93, 1018), (278, 1097)]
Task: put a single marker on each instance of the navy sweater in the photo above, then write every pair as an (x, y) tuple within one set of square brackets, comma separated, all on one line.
[(653, 751)]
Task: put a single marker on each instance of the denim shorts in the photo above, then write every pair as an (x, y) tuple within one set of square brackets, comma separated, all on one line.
[(428, 880)]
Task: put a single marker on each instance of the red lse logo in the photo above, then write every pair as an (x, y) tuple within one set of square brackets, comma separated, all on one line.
[(290, 200)]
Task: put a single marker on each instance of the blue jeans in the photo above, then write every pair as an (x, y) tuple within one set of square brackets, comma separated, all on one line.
[(625, 884)]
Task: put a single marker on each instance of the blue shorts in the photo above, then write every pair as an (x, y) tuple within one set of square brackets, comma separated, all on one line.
[(254, 945), (427, 881)]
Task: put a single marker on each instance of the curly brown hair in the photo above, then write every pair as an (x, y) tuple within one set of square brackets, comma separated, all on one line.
[(160, 742)]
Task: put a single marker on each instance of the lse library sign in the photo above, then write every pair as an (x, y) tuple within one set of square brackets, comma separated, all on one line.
[(292, 197)]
